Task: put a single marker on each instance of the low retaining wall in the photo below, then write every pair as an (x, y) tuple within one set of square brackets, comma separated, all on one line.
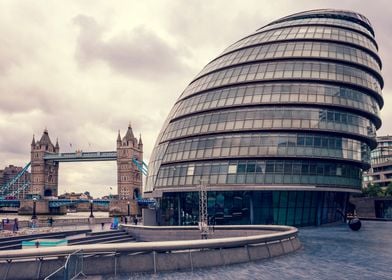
[(153, 257), (168, 233), (66, 222)]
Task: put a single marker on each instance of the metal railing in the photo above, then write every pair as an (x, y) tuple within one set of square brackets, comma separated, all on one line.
[(86, 259), (72, 268), (280, 232)]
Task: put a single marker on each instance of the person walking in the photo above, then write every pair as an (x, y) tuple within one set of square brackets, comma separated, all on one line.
[(50, 221), (16, 225)]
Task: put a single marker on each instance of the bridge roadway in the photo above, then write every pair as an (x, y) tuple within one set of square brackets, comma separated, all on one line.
[(82, 156), (56, 202), (67, 202)]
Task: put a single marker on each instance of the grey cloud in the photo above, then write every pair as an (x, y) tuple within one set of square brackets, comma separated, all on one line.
[(27, 98), (6, 62), (13, 142), (94, 177), (140, 52)]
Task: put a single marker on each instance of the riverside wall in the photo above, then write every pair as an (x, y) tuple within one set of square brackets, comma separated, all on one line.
[(66, 222)]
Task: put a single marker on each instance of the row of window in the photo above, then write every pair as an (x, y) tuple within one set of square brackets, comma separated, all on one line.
[(318, 21), (306, 32), (285, 70), (270, 117), (289, 167), (330, 13), (154, 164), (381, 155), (277, 93), (264, 145), (293, 50), (260, 172), (296, 208)]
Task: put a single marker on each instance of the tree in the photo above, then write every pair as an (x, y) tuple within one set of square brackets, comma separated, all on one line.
[(373, 190), (388, 190)]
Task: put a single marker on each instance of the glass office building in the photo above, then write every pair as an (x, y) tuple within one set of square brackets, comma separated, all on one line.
[(380, 172), (279, 126)]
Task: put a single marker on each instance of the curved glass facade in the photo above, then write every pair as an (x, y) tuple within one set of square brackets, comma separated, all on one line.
[(266, 144), (267, 118), (298, 49), (293, 93), (315, 32), (279, 127)]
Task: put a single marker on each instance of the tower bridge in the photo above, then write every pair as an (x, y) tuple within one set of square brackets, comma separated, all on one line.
[(45, 159)]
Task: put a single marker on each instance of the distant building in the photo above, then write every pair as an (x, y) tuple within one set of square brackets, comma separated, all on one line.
[(75, 196), (111, 197), (9, 173), (381, 163)]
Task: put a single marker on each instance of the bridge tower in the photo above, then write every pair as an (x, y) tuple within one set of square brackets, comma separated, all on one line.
[(44, 174), (129, 178)]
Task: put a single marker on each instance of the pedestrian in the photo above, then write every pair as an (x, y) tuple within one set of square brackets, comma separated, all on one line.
[(126, 220), (50, 221), (15, 226), (102, 226), (33, 223), (135, 221)]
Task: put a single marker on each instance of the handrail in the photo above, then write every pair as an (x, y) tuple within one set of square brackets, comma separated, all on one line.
[(284, 232), (65, 267)]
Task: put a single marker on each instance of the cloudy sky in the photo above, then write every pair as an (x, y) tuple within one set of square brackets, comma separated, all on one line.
[(85, 69)]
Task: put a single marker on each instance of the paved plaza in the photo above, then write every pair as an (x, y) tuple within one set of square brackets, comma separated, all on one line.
[(329, 252)]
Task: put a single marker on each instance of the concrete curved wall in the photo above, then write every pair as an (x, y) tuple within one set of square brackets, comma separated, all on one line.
[(257, 243)]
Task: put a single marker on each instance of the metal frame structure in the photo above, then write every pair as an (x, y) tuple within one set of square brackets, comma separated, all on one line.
[(203, 211), (141, 165), (16, 186)]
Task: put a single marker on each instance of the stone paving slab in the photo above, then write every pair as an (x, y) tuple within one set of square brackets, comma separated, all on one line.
[(329, 252)]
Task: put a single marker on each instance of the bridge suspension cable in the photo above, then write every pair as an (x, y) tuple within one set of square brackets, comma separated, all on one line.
[(141, 165), (9, 188)]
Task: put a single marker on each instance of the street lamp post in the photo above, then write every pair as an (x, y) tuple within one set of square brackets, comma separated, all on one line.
[(129, 209), (34, 209), (91, 209)]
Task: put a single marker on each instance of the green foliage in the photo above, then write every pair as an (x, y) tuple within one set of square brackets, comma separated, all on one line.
[(373, 190), (388, 190)]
